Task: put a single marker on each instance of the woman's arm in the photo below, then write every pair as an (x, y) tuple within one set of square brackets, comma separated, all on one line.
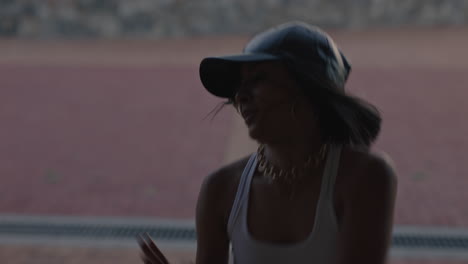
[(366, 226), (212, 237)]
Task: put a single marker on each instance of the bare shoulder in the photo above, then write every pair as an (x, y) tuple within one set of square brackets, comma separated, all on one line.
[(212, 213), (225, 176), (367, 202), (369, 167), (219, 188)]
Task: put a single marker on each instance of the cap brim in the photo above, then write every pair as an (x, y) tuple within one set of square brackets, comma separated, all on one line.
[(221, 75)]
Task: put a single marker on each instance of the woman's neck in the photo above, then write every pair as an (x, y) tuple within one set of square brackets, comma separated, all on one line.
[(292, 153)]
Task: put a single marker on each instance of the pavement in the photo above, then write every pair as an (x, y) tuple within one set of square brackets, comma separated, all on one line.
[(117, 128)]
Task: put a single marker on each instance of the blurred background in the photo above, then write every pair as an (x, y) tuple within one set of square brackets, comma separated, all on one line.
[(104, 130)]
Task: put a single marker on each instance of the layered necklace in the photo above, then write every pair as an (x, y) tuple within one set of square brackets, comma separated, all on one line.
[(289, 176)]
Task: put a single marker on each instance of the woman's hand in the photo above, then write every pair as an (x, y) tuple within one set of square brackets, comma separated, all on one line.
[(151, 253)]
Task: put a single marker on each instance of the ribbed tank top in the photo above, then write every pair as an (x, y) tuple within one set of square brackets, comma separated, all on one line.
[(318, 248)]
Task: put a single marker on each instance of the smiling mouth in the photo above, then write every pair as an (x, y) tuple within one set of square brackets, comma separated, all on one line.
[(247, 113)]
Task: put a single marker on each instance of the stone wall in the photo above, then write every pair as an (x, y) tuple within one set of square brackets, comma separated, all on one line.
[(156, 18)]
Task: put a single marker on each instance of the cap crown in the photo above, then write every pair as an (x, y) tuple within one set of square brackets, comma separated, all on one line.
[(307, 49)]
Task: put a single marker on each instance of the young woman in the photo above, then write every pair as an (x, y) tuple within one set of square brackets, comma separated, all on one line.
[(314, 192)]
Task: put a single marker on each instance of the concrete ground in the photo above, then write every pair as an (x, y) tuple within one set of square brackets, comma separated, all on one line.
[(117, 128)]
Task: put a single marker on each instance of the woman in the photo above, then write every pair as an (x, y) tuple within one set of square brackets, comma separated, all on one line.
[(313, 192)]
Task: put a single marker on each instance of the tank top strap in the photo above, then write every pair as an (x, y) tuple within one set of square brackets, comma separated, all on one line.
[(331, 170), (242, 191)]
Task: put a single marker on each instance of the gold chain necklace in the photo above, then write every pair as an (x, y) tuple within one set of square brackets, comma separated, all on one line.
[(291, 175)]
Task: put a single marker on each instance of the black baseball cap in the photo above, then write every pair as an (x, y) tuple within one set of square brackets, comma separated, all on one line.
[(305, 49)]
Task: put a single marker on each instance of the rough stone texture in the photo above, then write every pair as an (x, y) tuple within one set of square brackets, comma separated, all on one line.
[(156, 18)]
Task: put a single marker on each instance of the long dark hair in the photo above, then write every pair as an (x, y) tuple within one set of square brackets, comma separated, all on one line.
[(344, 119)]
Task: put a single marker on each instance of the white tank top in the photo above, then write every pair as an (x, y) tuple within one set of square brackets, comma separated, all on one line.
[(318, 248)]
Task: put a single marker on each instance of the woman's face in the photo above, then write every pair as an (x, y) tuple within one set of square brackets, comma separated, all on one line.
[(265, 99)]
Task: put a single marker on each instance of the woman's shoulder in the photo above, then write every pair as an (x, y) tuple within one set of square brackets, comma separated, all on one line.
[(219, 188), (362, 157), (227, 174), (367, 165)]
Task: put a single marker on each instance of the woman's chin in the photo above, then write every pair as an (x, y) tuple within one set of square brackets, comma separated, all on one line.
[(254, 132)]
